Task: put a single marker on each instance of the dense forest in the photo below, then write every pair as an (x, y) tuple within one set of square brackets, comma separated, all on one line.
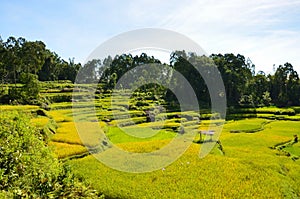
[(28, 62)]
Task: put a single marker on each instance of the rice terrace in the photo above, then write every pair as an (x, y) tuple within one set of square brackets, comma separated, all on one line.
[(149, 114), (256, 155)]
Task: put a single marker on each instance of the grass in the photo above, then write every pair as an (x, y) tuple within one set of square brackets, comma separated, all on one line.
[(60, 116), (143, 146), (40, 121), (275, 110), (294, 149), (190, 177), (18, 107), (137, 134), (246, 125), (168, 124), (248, 170), (63, 150), (67, 132)]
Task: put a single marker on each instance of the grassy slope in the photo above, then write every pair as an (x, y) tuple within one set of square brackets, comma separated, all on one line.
[(249, 169)]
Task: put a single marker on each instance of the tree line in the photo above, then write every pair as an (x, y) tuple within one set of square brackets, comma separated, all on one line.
[(244, 87), (18, 56), (26, 62)]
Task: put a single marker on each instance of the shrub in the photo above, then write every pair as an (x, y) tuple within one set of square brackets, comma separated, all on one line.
[(28, 93), (28, 169)]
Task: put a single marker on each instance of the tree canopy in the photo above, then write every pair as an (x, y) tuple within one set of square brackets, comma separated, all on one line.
[(25, 62)]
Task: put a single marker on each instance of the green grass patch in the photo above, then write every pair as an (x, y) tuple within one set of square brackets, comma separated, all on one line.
[(247, 125), (294, 149), (137, 134)]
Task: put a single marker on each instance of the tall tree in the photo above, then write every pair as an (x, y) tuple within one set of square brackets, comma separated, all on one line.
[(235, 74), (285, 86), (189, 66), (32, 56), (12, 57), (257, 87)]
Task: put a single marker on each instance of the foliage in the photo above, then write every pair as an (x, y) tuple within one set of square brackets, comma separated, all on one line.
[(28, 168), (21, 56), (31, 60)]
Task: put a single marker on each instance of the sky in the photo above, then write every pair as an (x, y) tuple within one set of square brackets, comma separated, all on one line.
[(266, 31)]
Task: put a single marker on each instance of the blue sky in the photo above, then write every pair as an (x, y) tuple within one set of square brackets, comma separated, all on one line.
[(267, 31)]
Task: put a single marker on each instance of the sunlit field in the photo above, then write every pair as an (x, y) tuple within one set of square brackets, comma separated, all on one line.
[(249, 168), (251, 165)]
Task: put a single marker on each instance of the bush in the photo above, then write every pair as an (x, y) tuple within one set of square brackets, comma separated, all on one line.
[(28, 169), (28, 93)]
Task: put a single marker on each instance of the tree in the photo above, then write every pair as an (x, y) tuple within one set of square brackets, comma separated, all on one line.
[(257, 87), (189, 66), (12, 57), (121, 64), (266, 99), (3, 70), (31, 89), (48, 70), (285, 86), (88, 73), (235, 73), (32, 55), (29, 92)]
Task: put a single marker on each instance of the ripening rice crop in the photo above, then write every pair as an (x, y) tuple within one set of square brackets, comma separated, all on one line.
[(63, 150), (249, 168), (40, 121), (18, 107), (61, 115), (89, 133)]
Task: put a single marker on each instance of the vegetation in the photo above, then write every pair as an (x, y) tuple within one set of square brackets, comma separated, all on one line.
[(28, 168), (43, 156), (26, 62), (249, 162), (249, 169)]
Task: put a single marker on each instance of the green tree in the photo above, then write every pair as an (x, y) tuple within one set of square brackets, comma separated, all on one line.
[(266, 98), (31, 89), (67, 70), (3, 70), (257, 87), (32, 55), (235, 73), (88, 73), (48, 70), (28, 93), (122, 64), (285, 86), (189, 66), (12, 57)]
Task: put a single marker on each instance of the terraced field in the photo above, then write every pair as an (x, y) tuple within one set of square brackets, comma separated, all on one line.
[(251, 164)]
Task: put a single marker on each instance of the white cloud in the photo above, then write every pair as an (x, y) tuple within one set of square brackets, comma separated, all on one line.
[(254, 28), (268, 31), (264, 30)]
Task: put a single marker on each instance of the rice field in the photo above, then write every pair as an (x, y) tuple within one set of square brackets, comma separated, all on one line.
[(248, 167), (64, 150)]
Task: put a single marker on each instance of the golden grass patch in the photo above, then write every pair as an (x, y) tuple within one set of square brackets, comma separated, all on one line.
[(63, 150), (90, 133), (39, 121)]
